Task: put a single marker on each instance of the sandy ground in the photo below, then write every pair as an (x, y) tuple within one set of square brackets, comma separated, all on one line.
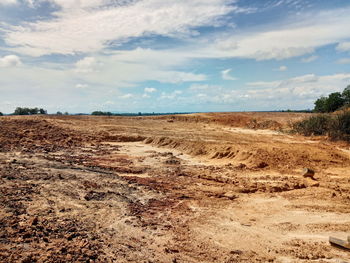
[(188, 188)]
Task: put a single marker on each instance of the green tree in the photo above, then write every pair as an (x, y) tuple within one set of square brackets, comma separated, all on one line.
[(28, 111), (1, 114), (320, 105), (334, 102), (346, 95), (42, 111), (101, 113), (33, 111)]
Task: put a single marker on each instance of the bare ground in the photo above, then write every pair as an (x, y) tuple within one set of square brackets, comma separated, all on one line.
[(191, 188)]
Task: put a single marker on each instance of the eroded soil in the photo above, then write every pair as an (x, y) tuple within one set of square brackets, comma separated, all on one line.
[(192, 188)]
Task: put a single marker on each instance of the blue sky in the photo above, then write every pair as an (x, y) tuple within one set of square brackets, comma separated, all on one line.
[(165, 56)]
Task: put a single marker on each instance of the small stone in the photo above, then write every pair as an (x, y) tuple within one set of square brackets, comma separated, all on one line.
[(308, 173)]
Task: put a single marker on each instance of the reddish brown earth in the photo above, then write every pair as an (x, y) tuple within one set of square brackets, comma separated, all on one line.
[(223, 187)]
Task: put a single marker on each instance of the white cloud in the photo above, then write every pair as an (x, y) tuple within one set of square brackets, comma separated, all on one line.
[(306, 87), (86, 65), (285, 40), (126, 96), (150, 90), (171, 96), (270, 84), (282, 68), (344, 46), (200, 87), (225, 74), (78, 30), (343, 61), (81, 86), (10, 61), (309, 59), (8, 2)]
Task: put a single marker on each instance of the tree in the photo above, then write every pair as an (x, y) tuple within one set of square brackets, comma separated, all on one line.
[(33, 111), (42, 111), (1, 114), (346, 95), (334, 102), (59, 113), (320, 104), (101, 113), (28, 111)]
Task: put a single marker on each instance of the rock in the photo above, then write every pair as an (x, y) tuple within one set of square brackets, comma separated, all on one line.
[(230, 195), (308, 173), (242, 166), (262, 165), (311, 182)]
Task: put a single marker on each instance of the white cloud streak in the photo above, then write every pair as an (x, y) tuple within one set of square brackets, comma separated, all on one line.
[(225, 74), (309, 59), (91, 30), (10, 61)]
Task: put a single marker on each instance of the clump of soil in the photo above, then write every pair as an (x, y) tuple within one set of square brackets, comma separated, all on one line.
[(37, 136)]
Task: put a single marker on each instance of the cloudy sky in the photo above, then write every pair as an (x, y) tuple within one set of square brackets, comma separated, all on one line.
[(172, 55)]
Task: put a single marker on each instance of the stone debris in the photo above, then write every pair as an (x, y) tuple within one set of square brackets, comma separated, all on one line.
[(308, 173), (340, 243)]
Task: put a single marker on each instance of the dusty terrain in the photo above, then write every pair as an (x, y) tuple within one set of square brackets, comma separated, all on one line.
[(191, 188)]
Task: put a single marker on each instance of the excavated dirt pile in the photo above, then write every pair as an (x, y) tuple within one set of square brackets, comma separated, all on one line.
[(37, 135)]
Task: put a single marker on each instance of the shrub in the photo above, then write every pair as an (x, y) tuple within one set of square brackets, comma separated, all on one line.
[(340, 129), (337, 127), (315, 125)]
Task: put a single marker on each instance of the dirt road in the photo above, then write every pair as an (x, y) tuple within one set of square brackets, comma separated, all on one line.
[(191, 188)]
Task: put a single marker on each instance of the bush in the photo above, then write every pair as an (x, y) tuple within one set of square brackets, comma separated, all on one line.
[(1, 114), (340, 129), (337, 127), (315, 125)]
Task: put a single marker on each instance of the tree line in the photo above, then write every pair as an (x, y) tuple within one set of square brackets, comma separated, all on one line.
[(333, 102)]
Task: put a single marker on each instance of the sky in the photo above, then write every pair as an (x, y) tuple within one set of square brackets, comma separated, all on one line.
[(172, 55)]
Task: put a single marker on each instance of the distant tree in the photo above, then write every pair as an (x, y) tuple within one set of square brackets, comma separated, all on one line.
[(59, 113), (66, 113), (346, 95), (34, 111), (1, 114), (321, 105), (101, 113), (28, 111), (42, 111), (334, 102)]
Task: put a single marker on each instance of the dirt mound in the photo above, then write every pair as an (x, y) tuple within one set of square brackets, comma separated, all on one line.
[(37, 135), (258, 156), (252, 120)]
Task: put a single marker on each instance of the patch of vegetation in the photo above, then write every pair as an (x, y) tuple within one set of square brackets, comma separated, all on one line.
[(1, 114), (337, 127), (333, 102), (102, 113), (29, 111), (315, 125)]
